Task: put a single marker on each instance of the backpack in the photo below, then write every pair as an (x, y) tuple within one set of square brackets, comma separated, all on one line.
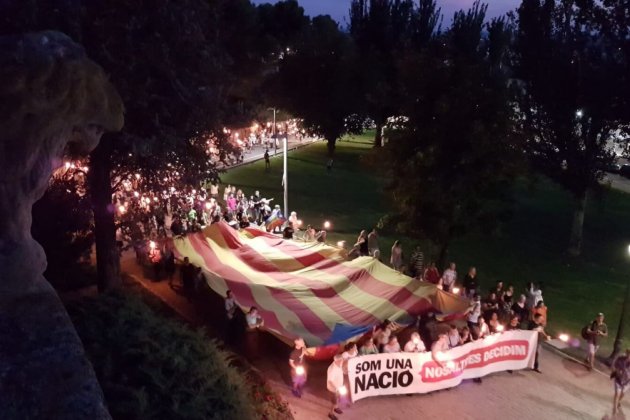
[(585, 332)]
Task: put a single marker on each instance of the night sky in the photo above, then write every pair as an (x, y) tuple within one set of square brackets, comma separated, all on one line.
[(338, 9)]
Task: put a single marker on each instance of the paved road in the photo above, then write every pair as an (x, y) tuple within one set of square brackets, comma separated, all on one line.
[(565, 390), (257, 152), (618, 182)]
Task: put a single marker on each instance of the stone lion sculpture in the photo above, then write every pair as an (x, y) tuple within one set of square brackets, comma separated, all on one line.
[(53, 99)]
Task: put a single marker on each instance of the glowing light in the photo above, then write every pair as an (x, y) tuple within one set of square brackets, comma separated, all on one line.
[(122, 209), (456, 290), (563, 337), (500, 328), (155, 199), (299, 370), (208, 206), (343, 390), (152, 245), (327, 224), (579, 113), (194, 191), (85, 169), (136, 194), (137, 176), (67, 165)]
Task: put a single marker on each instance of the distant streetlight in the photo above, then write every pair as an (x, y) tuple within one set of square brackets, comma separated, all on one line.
[(579, 113), (621, 327)]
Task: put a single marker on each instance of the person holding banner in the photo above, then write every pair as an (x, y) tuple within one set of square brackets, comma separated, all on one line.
[(537, 325), (368, 348), (415, 344), (298, 372), (438, 348), (335, 384)]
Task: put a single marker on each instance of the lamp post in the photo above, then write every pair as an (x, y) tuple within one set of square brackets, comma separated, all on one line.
[(622, 318), (285, 175)]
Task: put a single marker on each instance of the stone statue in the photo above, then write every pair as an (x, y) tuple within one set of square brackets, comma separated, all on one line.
[(53, 100)]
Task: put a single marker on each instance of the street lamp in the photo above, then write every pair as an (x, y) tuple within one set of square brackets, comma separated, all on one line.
[(621, 327)]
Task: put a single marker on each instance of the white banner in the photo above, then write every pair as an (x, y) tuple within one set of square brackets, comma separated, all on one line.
[(418, 373)]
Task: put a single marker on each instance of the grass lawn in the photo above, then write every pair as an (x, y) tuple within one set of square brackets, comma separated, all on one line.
[(530, 248)]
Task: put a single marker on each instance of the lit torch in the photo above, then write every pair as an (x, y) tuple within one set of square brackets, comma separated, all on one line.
[(343, 391)]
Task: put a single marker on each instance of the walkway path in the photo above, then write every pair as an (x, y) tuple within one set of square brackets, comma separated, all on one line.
[(565, 389), (257, 152)]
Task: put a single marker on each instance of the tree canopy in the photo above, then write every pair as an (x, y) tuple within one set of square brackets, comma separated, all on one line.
[(452, 163), (571, 99)]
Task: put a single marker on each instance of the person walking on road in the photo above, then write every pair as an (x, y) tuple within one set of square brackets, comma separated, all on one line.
[(334, 384), (537, 325), (595, 331), (267, 161), (621, 378), (298, 372)]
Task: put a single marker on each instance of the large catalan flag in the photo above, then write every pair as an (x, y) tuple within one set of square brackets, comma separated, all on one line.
[(309, 290)]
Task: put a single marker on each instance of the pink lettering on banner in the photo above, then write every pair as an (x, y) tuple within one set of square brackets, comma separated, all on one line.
[(511, 350)]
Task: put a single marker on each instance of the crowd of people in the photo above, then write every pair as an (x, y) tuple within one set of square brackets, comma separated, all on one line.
[(499, 309)]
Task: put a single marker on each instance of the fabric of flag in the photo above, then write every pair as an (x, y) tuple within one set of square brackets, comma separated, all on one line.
[(308, 289)]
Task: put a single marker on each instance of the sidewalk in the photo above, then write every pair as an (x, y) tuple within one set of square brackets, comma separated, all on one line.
[(258, 152), (565, 389)]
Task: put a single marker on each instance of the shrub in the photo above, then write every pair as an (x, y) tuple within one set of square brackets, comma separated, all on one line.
[(152, 367)]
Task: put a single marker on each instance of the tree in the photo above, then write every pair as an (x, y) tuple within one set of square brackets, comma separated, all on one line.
[(453, 162), (317, 81), (62, 224), (382, 30), (569, 97), (168, 61)]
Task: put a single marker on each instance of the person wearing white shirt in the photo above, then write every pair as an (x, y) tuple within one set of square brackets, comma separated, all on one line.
[(474, 313), (415, 344), (334, 384), (449, 277), (534, 295), (230, 305), (253, 319), (392, 346)]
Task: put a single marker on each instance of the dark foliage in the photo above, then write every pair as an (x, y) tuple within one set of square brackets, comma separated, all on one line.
[(62, 224), (453, 163), (151, 367)]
